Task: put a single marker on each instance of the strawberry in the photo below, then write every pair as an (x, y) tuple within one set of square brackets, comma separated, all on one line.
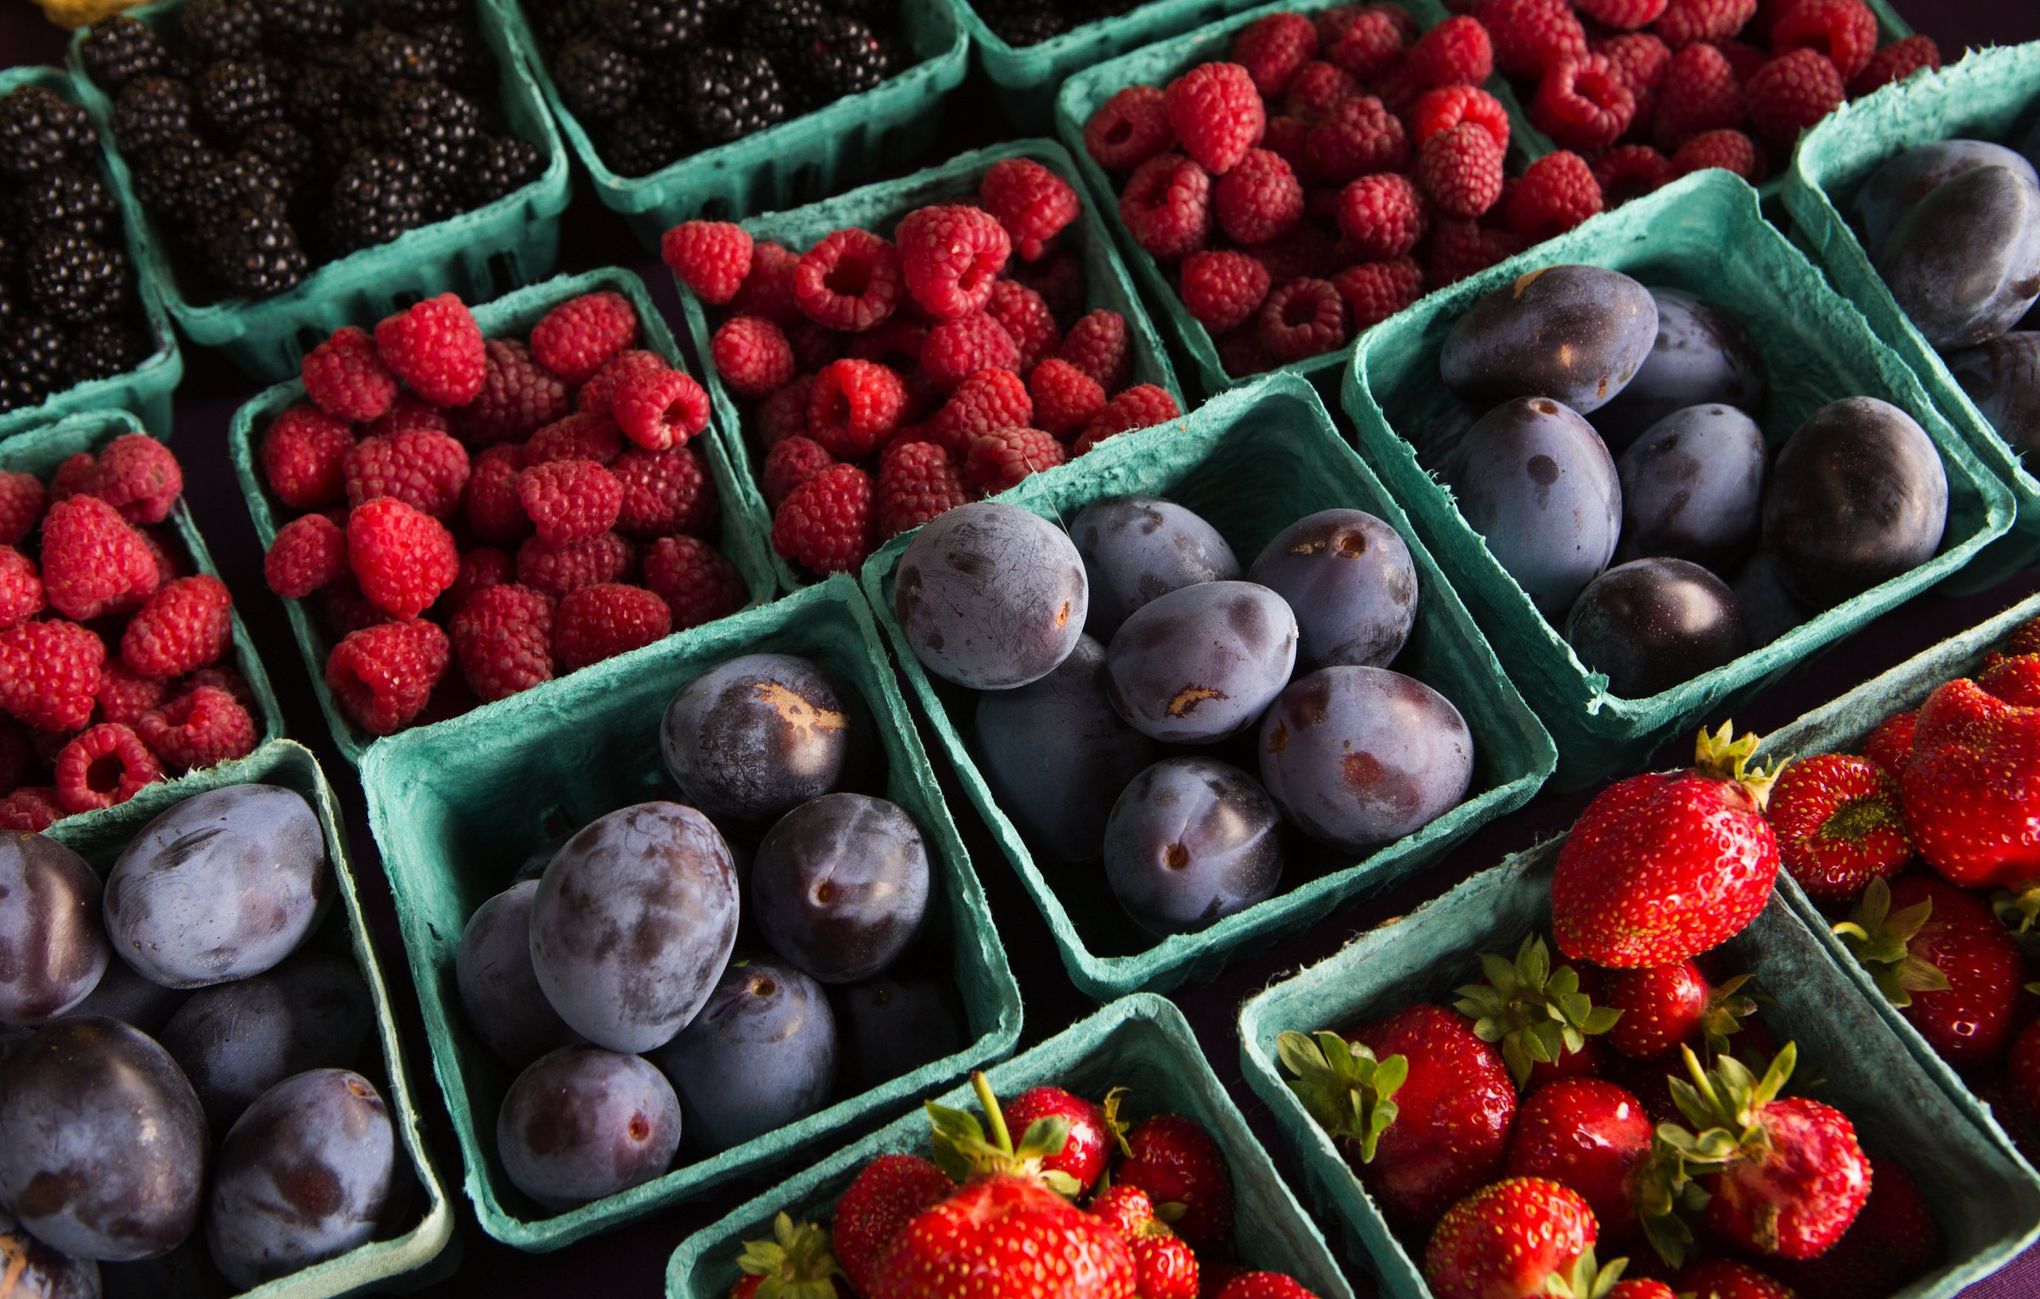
[(1662, 1006), (2025, 639), (794, 1264), (1083, 1154), (1417, 1100), (1894, 1238), (1005, 1237), (1591, 1136), (1971, 792), (1177, 1163), (1511, 1240), (1539, 1015), (1163, 1267), (2014, 679), (1941, 957), (1724, 1278), (1890, 745), (887, 1194), (1838, 824), (1127, 1208), (1642, 1287), (1265, 1285), (1665, 866)]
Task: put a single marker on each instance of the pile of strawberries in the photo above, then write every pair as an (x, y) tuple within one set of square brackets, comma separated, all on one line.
[(1052, 1196), (889, 380), (111, 648), (515, 510)]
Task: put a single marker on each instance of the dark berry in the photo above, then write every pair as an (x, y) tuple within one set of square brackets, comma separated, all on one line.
[(380, 59), (431, 125), (463, 57), (843, 57), (376, 197), (301, 27), (236, 95), (73, 279), (729, 94), (642, 143), (255, 252), (168, 176), (120, 49), (498, 165), (40, 129), (598, 80), (67, 199), (105, 348), (653, 24), (149, 111), (31, 361)]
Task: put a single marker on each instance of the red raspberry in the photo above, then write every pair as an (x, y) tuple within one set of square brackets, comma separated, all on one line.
[(1631, 171), (1064, 397), (1374, 291), (768, 289), (1583, 103), (1216, 114), (124, 696), (410, 411), (1699, 93), (106, 764), (309, 553), (1141, 406), (1365, 41), (1273, 49), (502, 640), (579, 336), (49, 674), (784, 414), (304, 453), (1742, 56), (1356, 137), (1555, 193), (94, 562), (986, 402), (481, 567), (664, 492), (201, 728), (1642, 59), (435, 347), (1285, 138), (1304, 317), (570, 500), (826, 524), (21, 589), (1128, 129), (660, 410), (1456, 52), (1000, 460), (752, 355), (1381, 216), (1622, 15), (1166, 206), (1448, 106), (580, 436), (31, 809), (1221, 291), (21, 505), (1317, 88), (710, 257), (1791, 93), (1729, 150), (916, 482), (849, 281), (402, 557), (383, 675), (791, 462), (73, 477), (1686, 21), (1460, 248), (1460, 170), (1260, 199), (183, 627), (490, 507), (950, 254), (1024, 315), (557, 570), (697, 584), (1896, 62), (897, 342), (422, 468), (1099, 345), (853, 406), (1030, 201), (343, 608), (1058, 278), (518, 397), (135, 474), (597, 394), (1529, 34), (953, 351), (345, 378), (602, 621)]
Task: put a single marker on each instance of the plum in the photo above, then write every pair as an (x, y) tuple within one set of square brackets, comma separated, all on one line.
[(1138, 547), (990, 596), (760, 1055), (302, 1177), (1575, 334), (1701, 355), (1201, 663), (891, 1026), (221, 887), (1964, 263), (1056, 755), (53, 948), (1349, 579), (1857, 495), (633, 922), (581, 1123), (126, 996), (758, 736), (1361, 756), (2002, 376), (1192, 841), (1769, 609), (840, 886), (498, 988), (1901, 181), (1651, 623), (1692, 487), (30, 1269), (102, 1142)]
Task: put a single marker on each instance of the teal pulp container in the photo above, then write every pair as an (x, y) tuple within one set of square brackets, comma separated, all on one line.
[(1251, 461), (458, 806), (1816, 347), (477, 254)]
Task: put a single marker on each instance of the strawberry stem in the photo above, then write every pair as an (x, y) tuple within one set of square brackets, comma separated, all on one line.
[(995, 1114), (1724, 754)]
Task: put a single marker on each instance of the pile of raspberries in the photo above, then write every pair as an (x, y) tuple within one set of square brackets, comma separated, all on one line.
[(111, 648), (513, 509), (889, 380)]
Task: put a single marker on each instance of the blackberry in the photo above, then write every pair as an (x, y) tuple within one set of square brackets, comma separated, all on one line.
[(431, 125), (11, 306), (642, 143), (103, 349), (843, 57), (10, 255), (286, 151), (150, 111), (237, 95), (654, 25), (167, 176), (562, 22), (727, 94), (298, 28), (120, 49), (229, 185), (777, 29), (40, 129), (31, 361), (315, 98), (74, 280), (409, 15), (499, 165), (222, 29), (254, 252), (67, 199), (598, 81), (379, 58), (376, 197), (463, 57)]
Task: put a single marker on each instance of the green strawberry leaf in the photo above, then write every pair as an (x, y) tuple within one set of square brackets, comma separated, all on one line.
[(1534, 1011), (1343, 1087), (1878, 938), (795, 1263)]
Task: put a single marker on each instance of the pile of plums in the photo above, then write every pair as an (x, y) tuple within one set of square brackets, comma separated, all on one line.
[(180, 1055), (1600, 421), (717, 967), (1112, 658)]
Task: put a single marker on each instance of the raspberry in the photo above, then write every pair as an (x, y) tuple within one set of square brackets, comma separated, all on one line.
[(1285, 138), (986, 402), (21, 589), (1457, 52), (1216, 114), (1727, 149), (1381, 216), (31, 809), (138, 476), (1791, 93), (502, 640), (814, 346), (1374, 291), (579, 336), (345, 609), (950, 254), (1555, 193), (345, 378), (602, 621), (410, 411), (1631, 171), (304, 454), (1099, 345), (1896, 62), (697, 584), (660, 410), (402, 557), (1141, 406), (557, 570), (422, 468), (849, 281), (1366, 42), (1460, 248), (1686, 21), (784, 414), (490, 507), (1030, 201), (710, 257), (1127, 129), (1642, 60), (853, 406), (1528, 34), (480, 568), (916, 482), (1026, 318), (182, 628), (791, 462), (1301, 318), (664, 492), (124, 695), (570, 500), (1699, 93), (752, 355), (104, 765), (1273, 49), (580, 436), (1166, 206), (201, 728), (518, 397), (826, 524), (49, 674), (1583, 103), (309, 553), (1220, 290), (1356, 137), (1448, 106), (1460, 170), (383, 675), (1622, 15), (94, 562), (1058, 278), (1317, 88), (1000, 460), (21, 505), (73, 477), (1260, 199), (953, 351), (435, 347), (597, 394)]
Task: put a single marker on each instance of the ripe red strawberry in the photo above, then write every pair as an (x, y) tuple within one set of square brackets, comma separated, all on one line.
[(1838, 823), (1127, 1209), (1087, 1144), (796, 1260), (1005, 1236), (1890, 745), (889, 1193), (1663, 1006), (1264, 1285), (2014, 679), (1724, 1278), (1941, 957), (1539, 1015), (1510, 1240), (1591, 1136), (1890, 1244), (1664, 866), (1177, 1163), (1972, 789), (1163, 1267)]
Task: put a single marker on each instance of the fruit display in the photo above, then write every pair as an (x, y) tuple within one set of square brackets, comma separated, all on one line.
[(266, 141)]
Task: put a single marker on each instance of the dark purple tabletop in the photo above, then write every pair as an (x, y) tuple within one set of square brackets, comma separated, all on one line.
[(632, 1261)]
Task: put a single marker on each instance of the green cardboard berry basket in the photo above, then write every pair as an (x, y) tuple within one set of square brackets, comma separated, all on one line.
[(743, 532), (39, 452), (1985, 1197), (818, 153), (146, 389), (1816, 347), (879, 207), (428, 1222), (1141, 1042), (457, 807), (1252, 461), (476, 254), (1984, 95)]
